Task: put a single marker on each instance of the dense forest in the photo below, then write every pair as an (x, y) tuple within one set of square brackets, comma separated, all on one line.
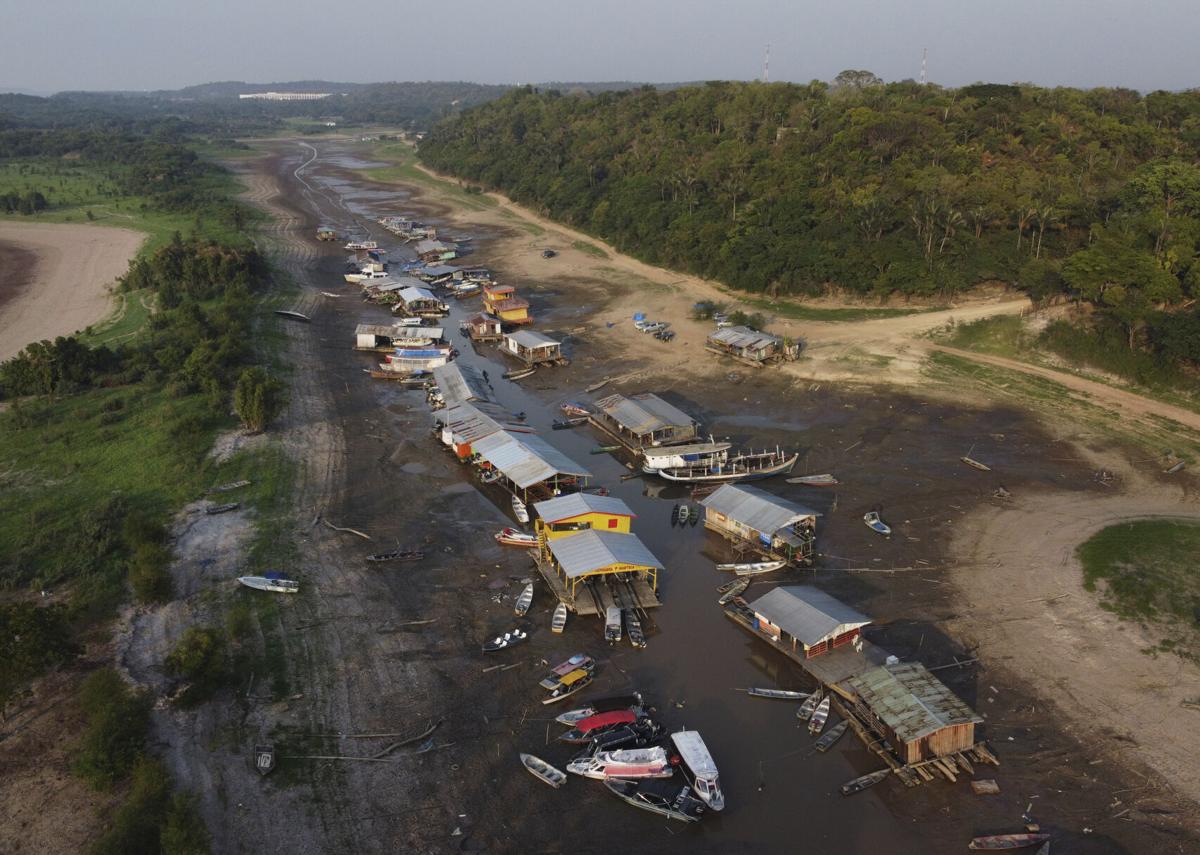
[(866, 188)]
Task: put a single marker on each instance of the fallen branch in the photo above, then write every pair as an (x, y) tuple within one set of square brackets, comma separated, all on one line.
[(344, 528)]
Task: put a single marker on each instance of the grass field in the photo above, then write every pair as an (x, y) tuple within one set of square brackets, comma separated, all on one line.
[(802, 312), (1146, 571), (589, 249)]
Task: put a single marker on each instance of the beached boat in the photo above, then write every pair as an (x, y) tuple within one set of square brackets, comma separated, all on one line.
[(975, 464), (264, 758), (569, 685), (612, 625), (743, 467), (819, 717), (864, 782), (809, 706), (736, 589), (624, 763), (559, 620), (666, 798), (614, 702), (567, 424), (605, 449), (825, 480), (574, 410), (519, 373), (641, 734), (573, 663), (776, 694), (270, 583), (520, 511), (994, 842), (212, 510), (293, 315), (503, 642), (513, 537), (586, 728), (597, 386), (699, 766), (633, 628), (871, 518), (753, 569), (397, 555), (543, 771), (521, 606), (831, 736), (1178, 467)]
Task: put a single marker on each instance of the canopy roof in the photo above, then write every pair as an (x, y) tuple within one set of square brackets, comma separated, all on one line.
[(526, 459), (458, 383), (592, 550), (910, 700), (808, 615), (757, 509), (643, 413), (576, 504)]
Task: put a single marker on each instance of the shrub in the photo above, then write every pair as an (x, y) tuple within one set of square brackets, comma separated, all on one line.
[(184, 832), (258, 398), (117, 721), (137, 824), (148, 574), (33, 638), (199, 657)]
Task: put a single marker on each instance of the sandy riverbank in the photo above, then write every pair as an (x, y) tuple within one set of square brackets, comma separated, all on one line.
[(57, 278)]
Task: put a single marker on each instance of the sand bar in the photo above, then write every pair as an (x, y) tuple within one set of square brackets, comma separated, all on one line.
[(55, 278)]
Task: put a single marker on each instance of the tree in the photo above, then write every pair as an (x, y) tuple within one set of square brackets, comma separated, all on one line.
[(32, 639), (856, 79), (258, 398)]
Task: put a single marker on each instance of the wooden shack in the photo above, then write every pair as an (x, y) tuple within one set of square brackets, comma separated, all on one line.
[(758, 520), (386, 337), (563, 516), (917, 713), (530, 467), (483, 327), (420, 302), (752, 346), (532, 347), (325, 233), (808, 620), (501, 301), (643, 420)]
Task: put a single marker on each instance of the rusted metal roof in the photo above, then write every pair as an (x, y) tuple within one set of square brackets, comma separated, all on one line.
[(744, 338), (807, 614), (526, 459), (575, 504), (591, 550), (755, 508), (910, 700), (643, 413), (459, 383), (469, 422)]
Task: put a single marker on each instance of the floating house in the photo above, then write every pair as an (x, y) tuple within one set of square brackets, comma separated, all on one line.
[(501, 301), (436, 274), (458, 384), (566, 515), (590, 555), (808, 620), (643, 420), (388, 336), (326, 233), (757, 520), (464, 424), (420, 302), (532, 348), (432, 251), (483, 327), (533, 467), (918, 714), (751, 346)]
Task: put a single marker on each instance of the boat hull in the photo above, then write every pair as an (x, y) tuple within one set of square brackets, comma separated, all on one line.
[(729, 473)]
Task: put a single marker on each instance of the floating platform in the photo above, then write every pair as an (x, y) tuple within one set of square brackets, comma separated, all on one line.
[(596, 595)]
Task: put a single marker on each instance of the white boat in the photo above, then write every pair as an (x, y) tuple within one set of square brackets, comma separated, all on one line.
[(699, 762), (806, 709), (825, 480), (612, 624), (520, 511), (521, 606), (744, 467), (819, 717), (675, 456), (543, 771), (512, 537), (871, 518), (270, 583), (624, 763), (975, 464), (559, 622), (777, 694), (753, 569)]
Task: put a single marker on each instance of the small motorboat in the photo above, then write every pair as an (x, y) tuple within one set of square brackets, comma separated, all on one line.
[(975, 464), (514, 537), (824, 480), (586, 728), (559, 620), (519, 373), (579, 660), (685, 514), (754, 569), (819, 717), (612, 625), (271, 582), (809, 706), (694, 516), (777, 694), (871, 518), (615, 702), (667, 798), (1008, 841), (397, 555), (573, 410), (734, 589), (831, 736), (543, 771), (699, 765), (524, 601), (520, 511), (503, 642), (633, 628), (864, 782), (264, 759), (624, 763), (569, 685)]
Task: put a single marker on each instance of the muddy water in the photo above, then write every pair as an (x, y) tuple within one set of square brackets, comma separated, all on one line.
[(894, 453)]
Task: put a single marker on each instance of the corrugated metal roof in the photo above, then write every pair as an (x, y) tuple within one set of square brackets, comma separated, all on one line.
[(428, 245), (593, 550), (805, 613), (470, 422), (643, 413), (400, 333), (910, 700), (459, 383), (744, 337), (375, 329), (526, 459), (410, 294), (437, 270), (755, 508), (532, 339), (574, 504)]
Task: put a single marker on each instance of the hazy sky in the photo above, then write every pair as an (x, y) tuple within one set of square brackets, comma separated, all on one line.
[(50, 45)]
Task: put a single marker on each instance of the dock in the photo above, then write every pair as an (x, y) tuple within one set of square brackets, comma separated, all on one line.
[(596, 596)]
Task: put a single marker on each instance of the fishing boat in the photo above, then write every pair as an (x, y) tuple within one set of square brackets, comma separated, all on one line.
[(776, 694), (624, 763), (264, 759), (612, 625), (211, 510), (590, 726), (743, 467), (503, 642), (825, 480), (871, 518), (975, 464), (567, 424), (614, 702), (819, 717), (676, 456), (576, 662), (666, 798), (397, 555), (574, 410), (559, 620), (521, 606), (831, 736), (633, 628), (1008, 841), (675, 514), (699, 766), (569, 685), (736, 589), (809, 706), (864, 782), (543, 771), (270, 583), (519, 373), (520, 511), (753, 569), (605, 449), (513, 537)]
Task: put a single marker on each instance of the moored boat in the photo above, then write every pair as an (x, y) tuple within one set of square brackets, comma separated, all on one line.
[(666, 798), (569, 685), (579, 660), (614, 702), (754, 569), (776, 694), (543, 771), (503, 642), (809, 706), (736, 589), (519, 373), (567, 424), (675, 456), (513, 537), (559, 620), (819, 717), (524, 601), (975, 464), (624, 763), (270, 583), (612, 625), (864, 781), (586, 728), (824, 480), (574, 410), (605, 449), (871, 518), (831, 736), (633, 628), (994, 842), (211, 510), (699, 763), (520, 511), (743, 467)]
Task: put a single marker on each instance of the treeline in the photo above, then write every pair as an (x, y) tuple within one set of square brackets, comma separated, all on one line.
[(29, 202), (868, 188)]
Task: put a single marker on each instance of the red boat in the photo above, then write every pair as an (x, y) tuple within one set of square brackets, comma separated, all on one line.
[(585, 729)]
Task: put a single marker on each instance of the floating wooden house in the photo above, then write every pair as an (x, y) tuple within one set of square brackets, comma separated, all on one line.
[(917, 713), (808, 620), (501, 301), (326, 233), (432, 251), (532, 347), (388, 336), (532, 467), (458, 384), (483, 327), (751, 346), (464, 424), (759, 521), (420, 302), (589, 555), (643, 420), (563, 516)]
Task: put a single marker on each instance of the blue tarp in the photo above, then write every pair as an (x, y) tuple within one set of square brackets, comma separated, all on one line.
[(639, 316)]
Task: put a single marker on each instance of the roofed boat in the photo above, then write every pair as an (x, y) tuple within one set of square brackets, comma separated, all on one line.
[(666, 798), (743, 467), (699, 762)]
